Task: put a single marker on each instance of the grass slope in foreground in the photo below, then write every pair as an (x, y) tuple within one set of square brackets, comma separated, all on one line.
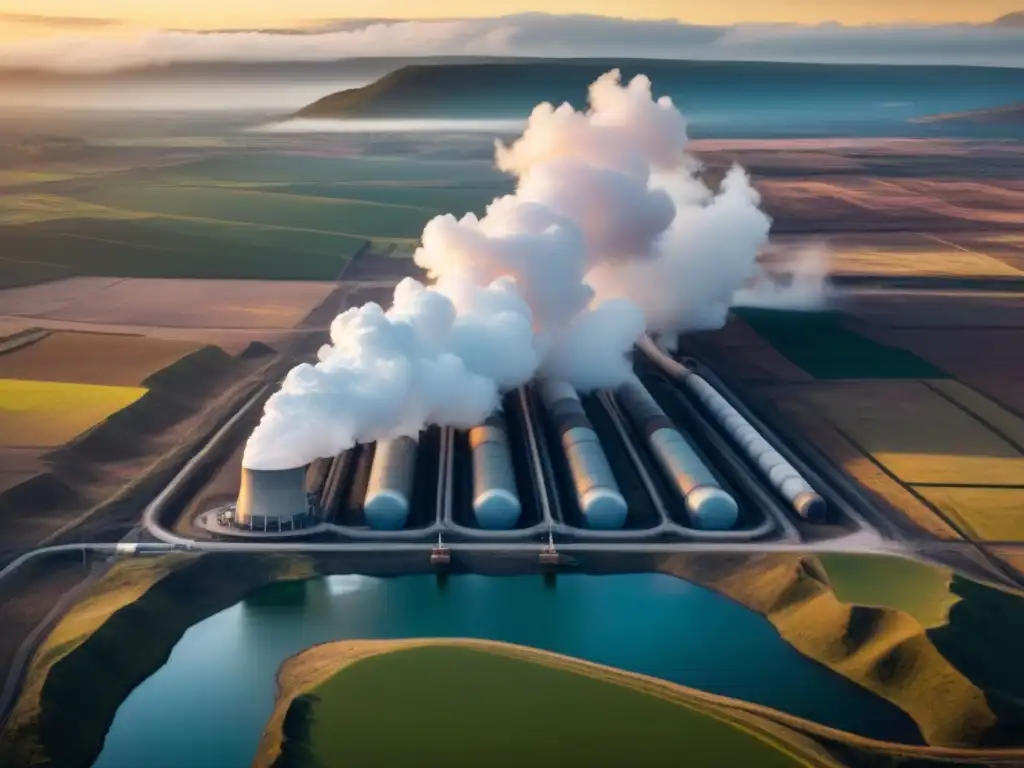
[(479, 704)]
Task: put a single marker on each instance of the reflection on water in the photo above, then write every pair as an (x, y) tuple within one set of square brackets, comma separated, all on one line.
[(218, 685)]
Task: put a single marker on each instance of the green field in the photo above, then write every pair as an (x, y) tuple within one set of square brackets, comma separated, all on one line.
[(152, 248), (231, 214), (893, 583), (819, 343), (467, 707), (46, 413), (299, 168), (263, 208)]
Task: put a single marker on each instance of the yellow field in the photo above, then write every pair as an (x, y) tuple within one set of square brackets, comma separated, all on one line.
[(19, 178), (1008, 423), (44, 413), (987, 514), (31, 209), (914, 432), (917, 263), (858, 466)]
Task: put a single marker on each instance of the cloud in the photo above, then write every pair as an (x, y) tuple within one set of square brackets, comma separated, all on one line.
[(57, 22), (531, 35)]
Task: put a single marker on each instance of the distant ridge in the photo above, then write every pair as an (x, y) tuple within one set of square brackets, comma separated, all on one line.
[(511, 89), (1012, 114), (1014, 20)]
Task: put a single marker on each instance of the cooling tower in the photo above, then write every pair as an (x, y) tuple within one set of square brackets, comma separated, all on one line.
[(272, 500)]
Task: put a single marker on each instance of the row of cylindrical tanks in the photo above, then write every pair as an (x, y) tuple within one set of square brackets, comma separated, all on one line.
[(496, 504), (600, 501), (495, 498)]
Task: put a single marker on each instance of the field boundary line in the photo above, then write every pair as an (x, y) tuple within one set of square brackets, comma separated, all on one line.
[(969, 485), (320, 198), (1003, 568), (977, 417)]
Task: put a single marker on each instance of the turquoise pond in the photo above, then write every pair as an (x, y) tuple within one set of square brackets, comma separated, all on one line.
[(207, 706)]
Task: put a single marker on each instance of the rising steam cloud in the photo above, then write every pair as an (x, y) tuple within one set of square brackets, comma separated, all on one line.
[(610, 232)]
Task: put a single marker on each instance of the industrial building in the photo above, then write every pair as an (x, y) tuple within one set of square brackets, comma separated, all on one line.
[(274, 500), (543, 460)]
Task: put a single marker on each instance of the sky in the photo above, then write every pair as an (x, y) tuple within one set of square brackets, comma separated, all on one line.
[(111, 35), (25, 18)]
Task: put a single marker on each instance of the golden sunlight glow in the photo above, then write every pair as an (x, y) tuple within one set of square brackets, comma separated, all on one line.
[(27, 18)]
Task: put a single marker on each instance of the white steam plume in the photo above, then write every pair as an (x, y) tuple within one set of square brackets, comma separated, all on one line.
[(610, 231)]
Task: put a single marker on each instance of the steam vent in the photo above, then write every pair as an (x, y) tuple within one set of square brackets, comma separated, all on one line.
[(272, 500)]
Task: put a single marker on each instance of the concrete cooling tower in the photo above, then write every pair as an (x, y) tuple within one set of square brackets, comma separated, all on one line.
[(272, 500)]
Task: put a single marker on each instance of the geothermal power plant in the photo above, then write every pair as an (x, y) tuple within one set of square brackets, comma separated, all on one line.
[(544, 303), (667, 455)]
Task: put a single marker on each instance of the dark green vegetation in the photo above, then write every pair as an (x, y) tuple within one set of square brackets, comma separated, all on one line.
[(982, 638), (229, 214), (481, 708), (821, 344)]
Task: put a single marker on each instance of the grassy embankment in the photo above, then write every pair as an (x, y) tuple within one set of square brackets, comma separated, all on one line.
[(102, 473), (111, 641), (492, 703), (924, 444), (486, 703), (882, 649), (887, 651)]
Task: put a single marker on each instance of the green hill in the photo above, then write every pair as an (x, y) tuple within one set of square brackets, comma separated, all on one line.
[(511, 89)]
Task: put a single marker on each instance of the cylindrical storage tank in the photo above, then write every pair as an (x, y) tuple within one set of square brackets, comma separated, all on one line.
[(389, 489), (782, 475), (330, 496), (597, 492), (709, 506), (496, 504), (272, 500)]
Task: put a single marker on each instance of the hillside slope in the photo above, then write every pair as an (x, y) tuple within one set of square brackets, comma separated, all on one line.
[(1012, 114), (506, 89), (886, 651)]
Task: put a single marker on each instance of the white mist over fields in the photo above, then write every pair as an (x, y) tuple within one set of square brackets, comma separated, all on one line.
[(610, 232)]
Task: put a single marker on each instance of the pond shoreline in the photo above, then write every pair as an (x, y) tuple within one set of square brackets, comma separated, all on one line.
[(227, 579)]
